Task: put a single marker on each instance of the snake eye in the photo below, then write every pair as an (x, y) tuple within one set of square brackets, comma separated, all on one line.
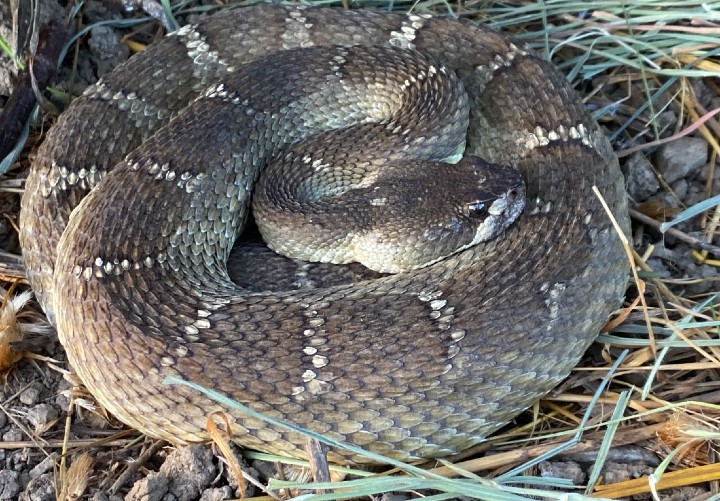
[(476, 209)]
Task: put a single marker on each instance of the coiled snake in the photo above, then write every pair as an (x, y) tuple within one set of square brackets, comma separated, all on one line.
[(417, 364)]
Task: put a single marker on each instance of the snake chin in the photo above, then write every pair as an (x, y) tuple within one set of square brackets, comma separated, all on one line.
[(501, 214)]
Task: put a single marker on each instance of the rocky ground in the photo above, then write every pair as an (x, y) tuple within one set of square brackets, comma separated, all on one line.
[(107, 461)]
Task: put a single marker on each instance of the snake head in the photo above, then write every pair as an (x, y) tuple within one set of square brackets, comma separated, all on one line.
[(442, 210), (497, 199)]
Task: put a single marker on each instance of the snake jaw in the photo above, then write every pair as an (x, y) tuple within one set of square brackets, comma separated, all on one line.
[(501, 214)]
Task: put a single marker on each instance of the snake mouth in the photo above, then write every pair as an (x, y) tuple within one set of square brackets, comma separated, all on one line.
[(502, 213)]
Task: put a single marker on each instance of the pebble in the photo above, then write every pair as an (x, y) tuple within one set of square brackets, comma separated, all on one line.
[(42, 414), (707, 276), (680, 188), (184, 475), (217, 494), (104, 496), (151, 488), (9, 484), (106, 44), (44, 466), (641, 179), (41, 488), (30, 396), (13, 435), (569, 470), (677, 159), (620, 472)]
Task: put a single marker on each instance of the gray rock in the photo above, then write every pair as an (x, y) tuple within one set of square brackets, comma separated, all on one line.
[(663, 252), (190, 470), (106, 44), (666, 119), (31, 396), (9, 484), (704, 173), (185, 474), (42, 414), (395, 496), (13, 435), (641, 179), (620, 472), (696, 194), (708, 279), (104, 496), (151, 488), (61, 399), (40, 488), (682, 157), (680, 188), (703, 93), (217, 494), (660, 270), (563, 469), (45, 466), (687, 493)]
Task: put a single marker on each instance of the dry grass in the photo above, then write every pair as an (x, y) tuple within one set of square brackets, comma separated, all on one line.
[(653, 380)]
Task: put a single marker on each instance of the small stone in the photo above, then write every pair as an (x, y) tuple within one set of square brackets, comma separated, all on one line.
[(45, 466), (3, 419), (104, 496), (106, 44), (62, 401), (641, 179), (41, 488), (681, 158), (217, 494), (42, 414), (620, 472), (9, 484), (666, 119), (18, 461), (696, 194), (661, 251), (12, 435), (689, 492), (189, 470), (569, 470), (151, 488), (680, 188), (703, 93), (707, 276), (30, 396), (704, 173), (183, 476), (659, 269)]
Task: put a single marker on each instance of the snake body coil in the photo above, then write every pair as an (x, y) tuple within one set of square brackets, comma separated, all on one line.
[(419, 364)]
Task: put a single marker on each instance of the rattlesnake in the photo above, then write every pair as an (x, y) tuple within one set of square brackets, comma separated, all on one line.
[(418, 364)]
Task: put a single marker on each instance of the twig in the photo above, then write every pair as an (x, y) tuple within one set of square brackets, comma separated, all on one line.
[(136, 465), (690, 240)]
